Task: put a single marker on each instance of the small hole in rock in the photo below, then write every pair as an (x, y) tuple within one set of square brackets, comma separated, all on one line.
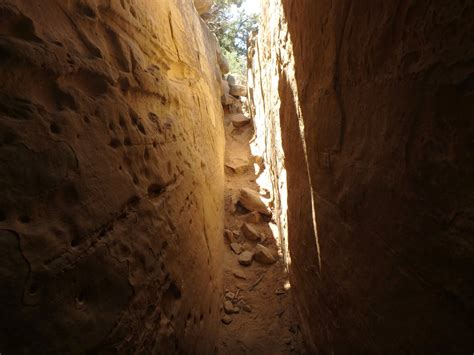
[(154, 190), (87, 10), (174, 291), (122, 122), (54, 128), (141, 128)]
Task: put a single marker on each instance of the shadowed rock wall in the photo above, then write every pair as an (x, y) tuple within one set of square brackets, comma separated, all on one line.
[(111, 177), (367, 109)]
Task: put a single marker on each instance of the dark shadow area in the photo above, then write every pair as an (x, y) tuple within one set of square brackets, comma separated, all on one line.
[(388, 132), (304, 268)]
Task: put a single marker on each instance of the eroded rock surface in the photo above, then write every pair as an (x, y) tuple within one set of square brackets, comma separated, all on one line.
[(364, 117), (111, 178)]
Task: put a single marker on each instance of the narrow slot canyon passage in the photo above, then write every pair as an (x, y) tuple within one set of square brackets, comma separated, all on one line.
[(191, 177), (259, 313)]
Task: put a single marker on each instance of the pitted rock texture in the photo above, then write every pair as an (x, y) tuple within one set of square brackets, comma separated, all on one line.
[(111, 178), (364, 117)]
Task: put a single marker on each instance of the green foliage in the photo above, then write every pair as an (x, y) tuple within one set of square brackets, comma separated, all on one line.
[(237, 64), (232, 29)]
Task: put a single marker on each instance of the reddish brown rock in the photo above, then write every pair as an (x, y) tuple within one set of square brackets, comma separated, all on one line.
[(252, 217), (370, 131), (249, 232), (236, 248), (264, 255), (238, 90), (246, 258)]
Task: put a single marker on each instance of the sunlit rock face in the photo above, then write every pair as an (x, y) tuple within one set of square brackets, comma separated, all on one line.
[(111, 178), (364, 116), (203, 6)]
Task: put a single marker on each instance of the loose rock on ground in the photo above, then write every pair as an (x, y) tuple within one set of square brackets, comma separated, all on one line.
[(245, 258), (249, 232), (252, 201)]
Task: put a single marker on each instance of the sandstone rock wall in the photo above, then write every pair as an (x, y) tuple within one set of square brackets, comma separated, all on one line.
[(111, 177), (203, 6), (366, 113)]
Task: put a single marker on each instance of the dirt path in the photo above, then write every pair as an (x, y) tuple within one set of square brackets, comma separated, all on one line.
[(259, 309)]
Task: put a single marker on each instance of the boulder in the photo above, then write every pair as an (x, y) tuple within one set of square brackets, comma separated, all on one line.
[(264, 255), (232, 104), (231, 80), (239, 120), (250, 232), (252, 201), (225, 87), (236, 248), (246, 258), (227, 100), (238, 90), (238, 166), (203, 6), (228, 307), (226, 319)]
